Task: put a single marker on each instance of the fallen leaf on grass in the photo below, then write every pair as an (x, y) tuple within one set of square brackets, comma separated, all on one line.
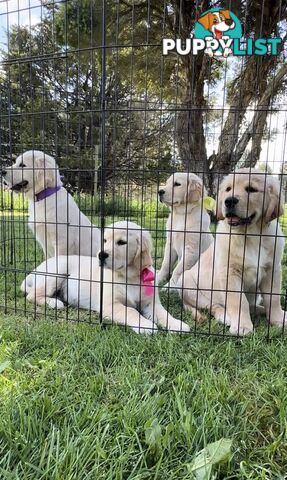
[(213, 453), (4, 365)]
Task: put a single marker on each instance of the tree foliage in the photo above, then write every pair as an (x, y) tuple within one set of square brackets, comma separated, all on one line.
[(156, 113)]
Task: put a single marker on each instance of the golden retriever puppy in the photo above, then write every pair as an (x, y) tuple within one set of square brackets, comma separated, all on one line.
[(54, 217), (187, 228), (244, 263), (129, 294)]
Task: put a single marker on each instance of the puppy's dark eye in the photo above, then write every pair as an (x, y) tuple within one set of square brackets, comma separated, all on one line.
[(176, 184), (215, 21), (22, 165), (250, 189), (121, 242), (228, 189)]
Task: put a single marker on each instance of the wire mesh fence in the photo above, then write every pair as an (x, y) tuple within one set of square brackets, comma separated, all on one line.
[(142, 188)]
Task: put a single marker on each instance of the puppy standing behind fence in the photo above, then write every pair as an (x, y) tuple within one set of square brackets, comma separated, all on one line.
[(187, 228), (129, 294), (245, 260), (60, 227)]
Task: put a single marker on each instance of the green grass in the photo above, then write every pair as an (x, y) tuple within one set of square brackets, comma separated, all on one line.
[(78, 402), (81, 402)]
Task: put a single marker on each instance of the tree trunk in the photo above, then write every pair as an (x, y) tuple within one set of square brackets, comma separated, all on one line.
[(191, 140), (253, 156), (189, 134)]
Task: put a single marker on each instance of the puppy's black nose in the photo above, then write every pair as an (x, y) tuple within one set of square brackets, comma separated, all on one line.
[(229, 21), (102, 256), (230, 202), (161, 192), (3, 172)]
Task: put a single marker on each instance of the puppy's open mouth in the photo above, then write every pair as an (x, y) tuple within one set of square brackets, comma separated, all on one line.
[(19, 186), (235, 221), (218, 33)]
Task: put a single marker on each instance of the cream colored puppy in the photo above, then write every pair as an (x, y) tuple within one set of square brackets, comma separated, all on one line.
[(129, 294), (54, 217), (187, 228), (245, 260)]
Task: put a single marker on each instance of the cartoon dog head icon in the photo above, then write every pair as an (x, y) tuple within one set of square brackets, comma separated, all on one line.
[(217, 22)]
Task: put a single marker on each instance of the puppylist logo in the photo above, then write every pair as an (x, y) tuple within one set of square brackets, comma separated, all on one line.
[(218, 32)]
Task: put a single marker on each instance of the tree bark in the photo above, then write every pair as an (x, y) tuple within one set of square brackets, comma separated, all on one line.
[(257, 135), (189, 134)]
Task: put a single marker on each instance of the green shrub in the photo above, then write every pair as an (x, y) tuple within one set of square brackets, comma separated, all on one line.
[(114, 205), (283, 221), (153, 208)]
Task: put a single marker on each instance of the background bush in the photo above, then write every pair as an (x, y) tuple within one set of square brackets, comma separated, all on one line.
[(114, 205)]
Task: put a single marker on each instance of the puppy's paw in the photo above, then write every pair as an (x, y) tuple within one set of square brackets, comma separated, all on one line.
[(198, 316), (222, 316), (227, 52), (26, 284), (279, 318), (55, 303), (209, 52), (175, 325), (242, 330), (146, 330)]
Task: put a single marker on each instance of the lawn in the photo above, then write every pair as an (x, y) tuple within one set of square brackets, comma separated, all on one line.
[(79, 402), (86, 402)]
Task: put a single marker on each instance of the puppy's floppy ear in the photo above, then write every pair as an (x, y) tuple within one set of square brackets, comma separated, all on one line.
[(225, 13), (195, 191), (37, 166), (46, 170), (206, 21), (274, 201), (143, 258)]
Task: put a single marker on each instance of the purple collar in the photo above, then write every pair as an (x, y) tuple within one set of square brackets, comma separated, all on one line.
[(47, 193)]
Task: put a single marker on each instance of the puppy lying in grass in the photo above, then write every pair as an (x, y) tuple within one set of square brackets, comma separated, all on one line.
[(129, 294)]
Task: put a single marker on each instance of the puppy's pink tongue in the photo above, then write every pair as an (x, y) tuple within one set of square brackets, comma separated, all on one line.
[(218, 33), (233, 220)]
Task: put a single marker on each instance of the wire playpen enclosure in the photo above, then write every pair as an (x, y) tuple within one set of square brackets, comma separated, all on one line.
[(87, 84)]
